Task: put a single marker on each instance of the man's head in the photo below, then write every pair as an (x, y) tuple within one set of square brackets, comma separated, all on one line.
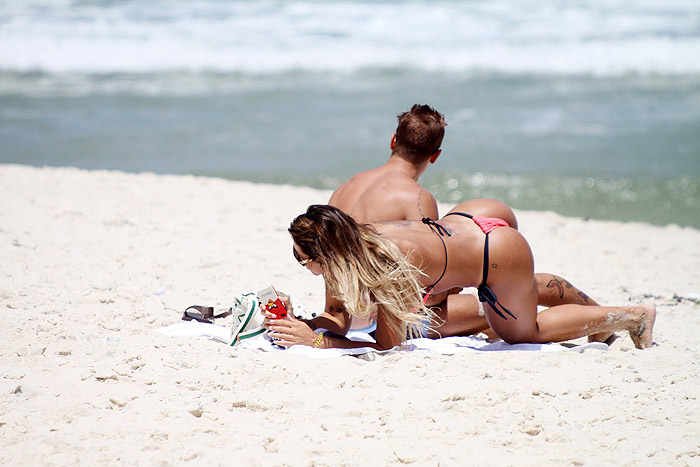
[(419, 134)]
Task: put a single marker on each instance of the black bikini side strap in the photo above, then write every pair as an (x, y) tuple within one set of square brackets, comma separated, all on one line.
[(485, 274), (435, 227), (485, 293), (438, 230), (456, 213)]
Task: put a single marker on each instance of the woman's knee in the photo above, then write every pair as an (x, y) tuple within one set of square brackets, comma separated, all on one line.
[(514, 333), (521, 326)]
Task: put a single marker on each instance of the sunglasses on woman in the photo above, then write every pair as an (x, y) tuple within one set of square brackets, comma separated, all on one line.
[(303, 262)]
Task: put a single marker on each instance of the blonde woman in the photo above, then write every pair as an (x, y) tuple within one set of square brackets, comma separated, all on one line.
[(392, 268)]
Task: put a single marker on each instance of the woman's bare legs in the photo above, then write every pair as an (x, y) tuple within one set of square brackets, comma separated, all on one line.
[(567, 322), (512, 279), (458, 315), (553, 290)]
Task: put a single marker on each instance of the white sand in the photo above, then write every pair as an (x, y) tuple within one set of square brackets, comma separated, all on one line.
[(86, 379)]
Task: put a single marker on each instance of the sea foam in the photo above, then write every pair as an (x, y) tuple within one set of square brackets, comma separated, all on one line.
[(268, 37)]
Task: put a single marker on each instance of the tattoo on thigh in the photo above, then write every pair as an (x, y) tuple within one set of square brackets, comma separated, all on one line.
[(580, 294), (561, 284), (557, 284)]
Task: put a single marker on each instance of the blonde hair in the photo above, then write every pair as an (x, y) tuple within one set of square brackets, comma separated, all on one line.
[(363, 269)]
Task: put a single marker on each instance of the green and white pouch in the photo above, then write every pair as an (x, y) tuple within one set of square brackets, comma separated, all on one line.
[(247, 319)]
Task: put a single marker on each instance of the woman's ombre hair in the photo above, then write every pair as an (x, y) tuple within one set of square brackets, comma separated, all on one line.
[(364, 270)]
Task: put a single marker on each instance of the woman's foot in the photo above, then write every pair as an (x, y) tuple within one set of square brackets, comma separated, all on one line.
[(641, 332)]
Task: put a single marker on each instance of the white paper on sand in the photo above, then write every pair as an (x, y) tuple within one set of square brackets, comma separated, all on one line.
[(445, 346)]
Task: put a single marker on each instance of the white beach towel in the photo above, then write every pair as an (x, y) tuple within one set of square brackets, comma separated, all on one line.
[(445, 346)]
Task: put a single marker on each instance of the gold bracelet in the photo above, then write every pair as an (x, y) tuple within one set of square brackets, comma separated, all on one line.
[(319, 339)]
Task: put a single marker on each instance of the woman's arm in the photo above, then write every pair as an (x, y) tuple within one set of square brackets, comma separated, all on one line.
[(334, 317), (291, 331)]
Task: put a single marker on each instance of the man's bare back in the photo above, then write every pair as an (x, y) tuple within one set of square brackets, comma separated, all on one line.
[(389, 192)]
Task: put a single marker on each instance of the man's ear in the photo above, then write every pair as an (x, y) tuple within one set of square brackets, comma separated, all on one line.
[(392, 144), (435, 156)]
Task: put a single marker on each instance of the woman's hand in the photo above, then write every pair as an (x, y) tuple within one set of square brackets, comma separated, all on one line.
[(284, 298), (289, 331)]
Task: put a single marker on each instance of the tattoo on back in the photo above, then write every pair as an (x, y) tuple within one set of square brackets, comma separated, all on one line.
[(332, 309), (420, 206), (420, 210)]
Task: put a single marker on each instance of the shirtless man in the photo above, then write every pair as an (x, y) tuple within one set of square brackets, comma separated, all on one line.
[(391, 192)]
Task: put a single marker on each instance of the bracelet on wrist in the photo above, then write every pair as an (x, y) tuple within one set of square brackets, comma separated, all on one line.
[(318, 341)]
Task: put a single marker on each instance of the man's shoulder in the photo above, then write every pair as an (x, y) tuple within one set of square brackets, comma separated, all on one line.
[(400, 181), (386, 199), (359, 180), (376, 182)]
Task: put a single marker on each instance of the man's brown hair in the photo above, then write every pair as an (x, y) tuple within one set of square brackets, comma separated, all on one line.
[(419, 133)]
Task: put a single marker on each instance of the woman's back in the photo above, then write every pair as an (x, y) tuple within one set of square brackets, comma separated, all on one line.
[(450, 257)]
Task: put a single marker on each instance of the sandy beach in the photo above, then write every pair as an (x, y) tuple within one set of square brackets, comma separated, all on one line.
[(94, 262)]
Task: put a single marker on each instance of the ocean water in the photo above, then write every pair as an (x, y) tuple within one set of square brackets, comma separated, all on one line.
[(586, 108)]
